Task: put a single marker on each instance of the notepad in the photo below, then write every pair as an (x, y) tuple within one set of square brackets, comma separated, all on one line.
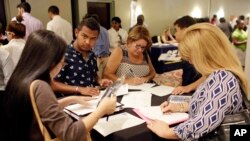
[(154, 112)]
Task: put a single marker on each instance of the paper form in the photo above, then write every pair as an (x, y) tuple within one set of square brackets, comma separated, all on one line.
[(137, 99), (142, 87), (154, 112), (116, 123), (160, 90)]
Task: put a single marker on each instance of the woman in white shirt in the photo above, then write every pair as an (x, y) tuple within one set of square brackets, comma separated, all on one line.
[(117, 35), (11, 52)]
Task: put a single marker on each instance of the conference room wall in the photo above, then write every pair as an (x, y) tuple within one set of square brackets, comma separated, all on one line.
[(162, 13), (158, 13)]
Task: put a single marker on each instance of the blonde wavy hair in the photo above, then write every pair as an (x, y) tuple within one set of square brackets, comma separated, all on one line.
[(140, 32), (208, 49)]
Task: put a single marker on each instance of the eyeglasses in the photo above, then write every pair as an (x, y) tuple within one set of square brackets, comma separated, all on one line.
[(140, 47), (9, 33)]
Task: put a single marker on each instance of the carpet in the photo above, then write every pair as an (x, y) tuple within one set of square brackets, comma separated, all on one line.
[(171, 78)]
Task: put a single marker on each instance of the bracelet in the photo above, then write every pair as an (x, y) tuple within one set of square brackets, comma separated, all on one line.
[(181, 107), (76, 88)]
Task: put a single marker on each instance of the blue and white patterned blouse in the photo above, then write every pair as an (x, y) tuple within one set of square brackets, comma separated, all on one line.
[(77, 71), (218, 96)]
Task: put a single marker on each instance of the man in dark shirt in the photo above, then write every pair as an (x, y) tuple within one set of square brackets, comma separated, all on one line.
[(191, 79), (79, 75)]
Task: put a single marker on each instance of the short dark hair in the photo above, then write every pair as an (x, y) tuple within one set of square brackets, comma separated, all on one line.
[(116, 19), (91, 23), (184, 22), (95, 16), (25, 5), (54, 10), (17, 27)]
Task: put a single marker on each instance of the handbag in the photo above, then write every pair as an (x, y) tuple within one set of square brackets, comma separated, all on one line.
[(222, 133), (43, 129)]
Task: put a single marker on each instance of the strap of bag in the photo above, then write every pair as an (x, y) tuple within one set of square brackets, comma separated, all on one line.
[(43, 129)]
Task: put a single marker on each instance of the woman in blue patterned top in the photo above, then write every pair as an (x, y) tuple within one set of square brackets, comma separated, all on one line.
[(209, 50)]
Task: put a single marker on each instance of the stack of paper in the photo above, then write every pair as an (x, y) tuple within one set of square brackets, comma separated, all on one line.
[(116, 123), (154, 112)]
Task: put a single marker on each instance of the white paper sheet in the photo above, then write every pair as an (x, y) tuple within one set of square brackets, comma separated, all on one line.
[(122, 90), (82, 110), (154, 112), (116, 123), (137, 99), (161, 90), (142, 87)]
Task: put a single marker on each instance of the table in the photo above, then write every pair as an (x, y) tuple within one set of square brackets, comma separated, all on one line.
[(136, 133), (163, 66)]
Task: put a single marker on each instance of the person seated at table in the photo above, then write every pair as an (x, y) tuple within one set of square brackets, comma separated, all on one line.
[(79, 75), (191, 79), (217, 61), (11, 52), (131, 60), (17, 116)]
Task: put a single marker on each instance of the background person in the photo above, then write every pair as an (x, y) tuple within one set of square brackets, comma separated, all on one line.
[(59, 25), (11, 52), (117, 35)]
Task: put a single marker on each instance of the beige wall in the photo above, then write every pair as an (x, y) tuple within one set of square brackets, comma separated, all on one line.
[(158, 13), (39, 9)]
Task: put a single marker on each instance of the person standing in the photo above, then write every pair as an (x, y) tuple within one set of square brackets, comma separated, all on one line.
[(31, 23), (117, 35), (59, 25), (239, 38)]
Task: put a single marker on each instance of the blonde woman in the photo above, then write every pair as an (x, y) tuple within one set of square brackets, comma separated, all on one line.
[(209, 50), (131, 60)]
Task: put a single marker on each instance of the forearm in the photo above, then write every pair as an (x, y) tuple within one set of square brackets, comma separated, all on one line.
[(194, 85), (90, 120), (63, 88), (170, 134), (66, 101)]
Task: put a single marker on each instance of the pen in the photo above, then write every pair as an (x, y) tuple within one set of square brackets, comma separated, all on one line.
[(132, 72)]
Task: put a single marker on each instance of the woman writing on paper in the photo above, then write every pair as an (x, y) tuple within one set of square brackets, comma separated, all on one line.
[(209, 50), (18, 120), (131, 60)]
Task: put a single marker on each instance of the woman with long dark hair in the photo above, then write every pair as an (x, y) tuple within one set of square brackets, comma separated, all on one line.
[(41, 60)]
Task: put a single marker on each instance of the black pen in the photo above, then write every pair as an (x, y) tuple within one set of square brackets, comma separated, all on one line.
[(132, 72)]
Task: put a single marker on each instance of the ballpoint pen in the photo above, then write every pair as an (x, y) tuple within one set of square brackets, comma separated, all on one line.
[(132, 72)]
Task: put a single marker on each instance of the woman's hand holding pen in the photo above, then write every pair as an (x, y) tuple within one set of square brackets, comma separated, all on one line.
[(169, 107)]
